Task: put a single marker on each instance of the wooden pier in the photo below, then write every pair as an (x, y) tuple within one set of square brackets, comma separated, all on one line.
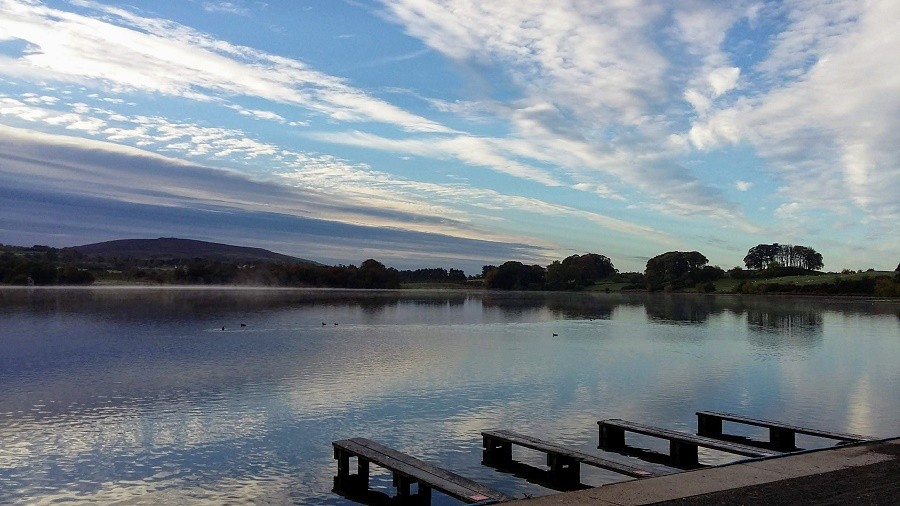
[(682, 446), (782, 436), (407, 470), (565, 463)]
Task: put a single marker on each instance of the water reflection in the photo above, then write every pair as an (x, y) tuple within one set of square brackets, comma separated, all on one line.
[(114, 394), (681, 309), (779, 328)]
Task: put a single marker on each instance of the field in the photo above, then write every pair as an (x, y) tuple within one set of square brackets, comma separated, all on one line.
[(729, 285)]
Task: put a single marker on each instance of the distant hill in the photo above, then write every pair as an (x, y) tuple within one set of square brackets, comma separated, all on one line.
[(166, 248)]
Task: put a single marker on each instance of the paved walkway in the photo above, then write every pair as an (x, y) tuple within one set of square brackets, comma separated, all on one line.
[(860, 474)]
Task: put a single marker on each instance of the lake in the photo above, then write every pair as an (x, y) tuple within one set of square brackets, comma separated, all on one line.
[(139, 395)]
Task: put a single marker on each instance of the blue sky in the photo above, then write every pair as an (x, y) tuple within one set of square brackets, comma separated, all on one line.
[(455, 133)]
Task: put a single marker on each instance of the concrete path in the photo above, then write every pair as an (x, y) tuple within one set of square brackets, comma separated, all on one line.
[(864, 473)]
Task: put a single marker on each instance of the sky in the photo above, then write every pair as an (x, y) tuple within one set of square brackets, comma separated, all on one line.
[(455, 133)]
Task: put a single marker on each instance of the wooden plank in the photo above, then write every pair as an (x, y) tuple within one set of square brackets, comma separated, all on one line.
[(563, 451), (675, 436), (759, 422), (412, 468), (418, 470)]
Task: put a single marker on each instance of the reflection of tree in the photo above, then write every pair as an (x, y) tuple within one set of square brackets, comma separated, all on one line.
[(770, 328), (562, 305), (513, 304), (783, 322), (680, 309), (173, 304), (582, 308)]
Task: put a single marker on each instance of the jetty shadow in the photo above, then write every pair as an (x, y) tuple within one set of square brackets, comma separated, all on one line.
[(534, 475), (651, 456), (367, 497), (376, 498), (744, 440)]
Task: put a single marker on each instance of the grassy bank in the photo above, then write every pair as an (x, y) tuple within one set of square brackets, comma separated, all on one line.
[(870, 283)]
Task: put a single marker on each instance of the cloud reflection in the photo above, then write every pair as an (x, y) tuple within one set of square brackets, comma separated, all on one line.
[(137, 394)]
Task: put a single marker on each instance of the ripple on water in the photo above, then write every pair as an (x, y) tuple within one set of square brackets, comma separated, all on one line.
[(148, 405)]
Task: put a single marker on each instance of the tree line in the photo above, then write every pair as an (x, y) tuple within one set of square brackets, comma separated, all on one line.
[(673, 270), (670, 270), (44, 265)]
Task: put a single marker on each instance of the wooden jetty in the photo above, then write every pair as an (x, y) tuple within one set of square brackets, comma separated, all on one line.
[(682, 446), (407, 470), (565, 463), (782, 436)]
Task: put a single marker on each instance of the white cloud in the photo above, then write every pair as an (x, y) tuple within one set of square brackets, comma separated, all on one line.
[(815, 28), (790, 211), (258, 114), (125, 52), (612, 99), (829, 133), (227, 7), (472, 150), (592, 80), (723, 79)]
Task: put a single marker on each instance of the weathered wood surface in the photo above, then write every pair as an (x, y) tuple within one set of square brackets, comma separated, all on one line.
[(566, 452), (407, 469), (709, 423), (682, 446)]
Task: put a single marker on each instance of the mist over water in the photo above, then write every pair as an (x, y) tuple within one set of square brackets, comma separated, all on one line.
[(139, 395)]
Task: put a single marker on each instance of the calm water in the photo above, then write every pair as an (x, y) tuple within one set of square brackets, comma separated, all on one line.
[(138, 395)]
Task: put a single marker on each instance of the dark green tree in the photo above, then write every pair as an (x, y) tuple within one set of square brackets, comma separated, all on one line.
[(373, 274), (578, 271), (761, 255), (764, 256), (675, 269), (515, 276), (806, 258)]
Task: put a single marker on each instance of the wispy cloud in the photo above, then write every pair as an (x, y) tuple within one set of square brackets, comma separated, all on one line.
[(593, 84), (140, 184), (609, 77), (620, 115), (124, 51), (829, 132), (237, 8)]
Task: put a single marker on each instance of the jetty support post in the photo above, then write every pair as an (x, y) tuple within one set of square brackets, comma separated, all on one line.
[(782, 439), (564, 471), (611, 438), (683, 454), (709, 425), (496, 452), (422, 497), (346, 481)]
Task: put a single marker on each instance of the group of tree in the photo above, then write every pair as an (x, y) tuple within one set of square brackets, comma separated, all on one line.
[(370, 274), (433, 275), (514, 275), (675, 270), (572, 273), (763, 256), (40, 265), (578, 271)]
